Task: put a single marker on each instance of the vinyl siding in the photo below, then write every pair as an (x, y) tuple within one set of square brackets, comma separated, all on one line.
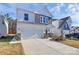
[(20, 15), (37, 18), (3, 29)]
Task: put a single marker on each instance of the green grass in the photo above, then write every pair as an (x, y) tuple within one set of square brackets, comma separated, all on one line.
[(6, 39)]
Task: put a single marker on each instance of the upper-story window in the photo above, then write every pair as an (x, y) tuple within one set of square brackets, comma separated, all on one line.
[(41, 19), (66, 27), (25, 16), (44, 19)]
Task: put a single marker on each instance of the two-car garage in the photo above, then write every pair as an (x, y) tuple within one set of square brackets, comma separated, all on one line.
[(30, 30)]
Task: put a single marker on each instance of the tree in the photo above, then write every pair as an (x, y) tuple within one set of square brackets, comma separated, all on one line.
[(8, 16)]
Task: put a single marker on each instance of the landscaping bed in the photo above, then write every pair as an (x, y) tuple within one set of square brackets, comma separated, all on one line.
[(6, 39)]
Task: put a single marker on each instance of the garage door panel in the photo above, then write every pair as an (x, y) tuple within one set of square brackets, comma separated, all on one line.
[(31, 30)]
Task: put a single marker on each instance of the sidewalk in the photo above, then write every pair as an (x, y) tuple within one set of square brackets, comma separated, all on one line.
[(46, 47)]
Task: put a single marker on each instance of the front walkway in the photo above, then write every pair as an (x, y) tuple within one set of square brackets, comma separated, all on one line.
[(46, 47)]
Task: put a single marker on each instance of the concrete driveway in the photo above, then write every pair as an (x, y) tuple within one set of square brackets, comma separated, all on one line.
[(46, 47)]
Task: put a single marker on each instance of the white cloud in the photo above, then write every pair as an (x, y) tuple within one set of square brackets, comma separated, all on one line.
[(57, 8), (72, 8), (75, 17), (73, 11)]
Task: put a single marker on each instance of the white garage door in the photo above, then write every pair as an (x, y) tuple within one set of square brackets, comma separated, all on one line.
[(31, 30)]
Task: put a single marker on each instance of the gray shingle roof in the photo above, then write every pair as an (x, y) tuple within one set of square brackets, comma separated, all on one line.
[(63, 21)]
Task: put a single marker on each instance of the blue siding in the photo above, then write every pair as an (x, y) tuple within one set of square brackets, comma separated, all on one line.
[(66, 26)]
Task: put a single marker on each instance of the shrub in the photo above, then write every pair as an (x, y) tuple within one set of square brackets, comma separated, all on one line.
[(57, 38), (18, 36)]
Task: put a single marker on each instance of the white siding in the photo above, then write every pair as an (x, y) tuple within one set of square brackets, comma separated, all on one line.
[(3, 29), (55, 23), (56, 32), (66, 32), (20, 15), (77, 31), (74, 30)]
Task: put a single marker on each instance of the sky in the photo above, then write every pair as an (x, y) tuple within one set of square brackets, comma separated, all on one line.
[(58, 10)]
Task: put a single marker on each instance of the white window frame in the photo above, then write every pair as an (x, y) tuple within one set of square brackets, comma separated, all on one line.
[(41, 19)]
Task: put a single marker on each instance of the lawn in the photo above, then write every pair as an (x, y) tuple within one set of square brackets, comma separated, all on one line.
[(11, 49), (73, 43)]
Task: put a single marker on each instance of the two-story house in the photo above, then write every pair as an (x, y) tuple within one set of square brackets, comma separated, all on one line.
[(33, 23)]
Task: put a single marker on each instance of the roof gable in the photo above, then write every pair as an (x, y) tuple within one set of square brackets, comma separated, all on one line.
[(43, 11), (63, 21), (66, 26), (66, 18)]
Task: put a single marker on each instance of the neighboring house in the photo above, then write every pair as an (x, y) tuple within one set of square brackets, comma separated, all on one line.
[(7, 27), (74, 29), (74, 32), (3, 28), (32, 23), (62, 26)]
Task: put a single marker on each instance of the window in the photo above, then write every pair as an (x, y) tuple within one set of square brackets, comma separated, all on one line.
[(66, 27), (41, 19), (25, 16), (44, 19)]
